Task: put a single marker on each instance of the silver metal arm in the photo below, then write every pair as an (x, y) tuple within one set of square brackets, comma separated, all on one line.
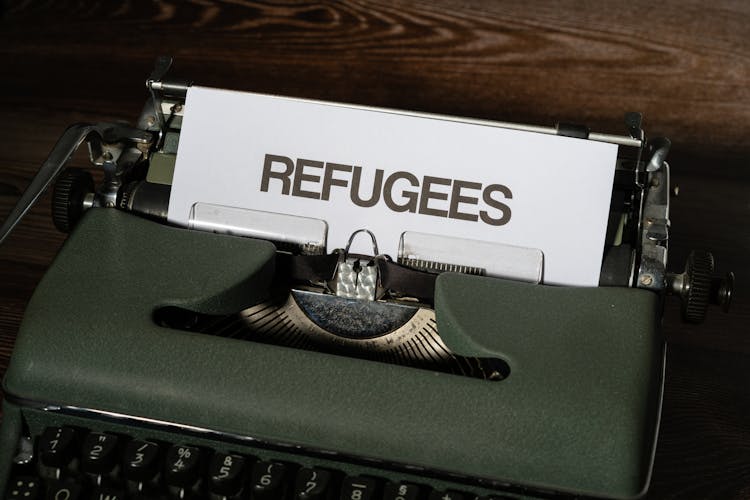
[(66, 146)]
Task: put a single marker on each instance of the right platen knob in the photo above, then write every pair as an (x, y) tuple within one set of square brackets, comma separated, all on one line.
[(697, 287)]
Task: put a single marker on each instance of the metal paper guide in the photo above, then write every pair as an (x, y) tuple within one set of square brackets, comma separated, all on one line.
[(345, 168)]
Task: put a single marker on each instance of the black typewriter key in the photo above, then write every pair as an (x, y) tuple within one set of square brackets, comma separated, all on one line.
[(446, 495), (99, 453), (268, 481), (107, 494), (182, 466), (312, 484), (359, 488), (57, 446), (141, 460), (64, 490), (24, 488), (401, 491), (226, 473)]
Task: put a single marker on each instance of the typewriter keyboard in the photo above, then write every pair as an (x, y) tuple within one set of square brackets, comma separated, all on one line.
[(72, 463)]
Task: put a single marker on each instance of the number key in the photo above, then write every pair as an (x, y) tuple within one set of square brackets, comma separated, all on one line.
[(400, 491), (141, 460), (99, 453), (312, 484), (359, 488), (182, 466), (226, 473), (57, 446), (268, 480)]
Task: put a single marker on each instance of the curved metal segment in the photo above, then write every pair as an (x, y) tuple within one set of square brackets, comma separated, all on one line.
[(661, 146), (66, 146)]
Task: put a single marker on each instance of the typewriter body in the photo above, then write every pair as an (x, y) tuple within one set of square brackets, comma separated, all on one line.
[(158, 361)]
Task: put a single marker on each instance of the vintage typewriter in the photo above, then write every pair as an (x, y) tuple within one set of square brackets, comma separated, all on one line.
[(164, 362)]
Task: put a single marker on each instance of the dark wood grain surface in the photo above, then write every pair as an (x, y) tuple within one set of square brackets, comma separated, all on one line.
[(684, 64)]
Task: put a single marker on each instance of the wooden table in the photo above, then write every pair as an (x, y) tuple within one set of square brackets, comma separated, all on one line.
[(685, 65)]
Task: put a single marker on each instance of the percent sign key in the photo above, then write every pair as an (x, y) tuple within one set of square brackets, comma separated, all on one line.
[(182, 466)]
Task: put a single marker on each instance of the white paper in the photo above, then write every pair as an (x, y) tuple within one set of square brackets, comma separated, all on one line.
[(554, 192)]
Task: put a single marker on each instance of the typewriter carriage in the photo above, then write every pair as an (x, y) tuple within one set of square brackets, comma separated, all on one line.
[(138, 162)]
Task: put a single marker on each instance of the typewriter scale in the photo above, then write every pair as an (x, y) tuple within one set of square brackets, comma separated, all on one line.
[(239, 367)]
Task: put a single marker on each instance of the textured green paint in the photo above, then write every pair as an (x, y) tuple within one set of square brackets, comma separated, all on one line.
[(576, 414), (582, 399)]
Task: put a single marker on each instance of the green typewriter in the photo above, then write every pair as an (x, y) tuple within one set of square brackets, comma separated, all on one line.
[(246, 360)]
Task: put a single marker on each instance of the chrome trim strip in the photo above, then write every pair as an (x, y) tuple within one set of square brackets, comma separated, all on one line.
[(657, 427), (78, 411)]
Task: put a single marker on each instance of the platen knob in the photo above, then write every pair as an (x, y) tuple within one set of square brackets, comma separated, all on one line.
[(68, 197), (721, 291), (697, 286)]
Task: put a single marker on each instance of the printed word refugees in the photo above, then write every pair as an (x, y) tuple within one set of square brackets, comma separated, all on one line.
[(400, 191)]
